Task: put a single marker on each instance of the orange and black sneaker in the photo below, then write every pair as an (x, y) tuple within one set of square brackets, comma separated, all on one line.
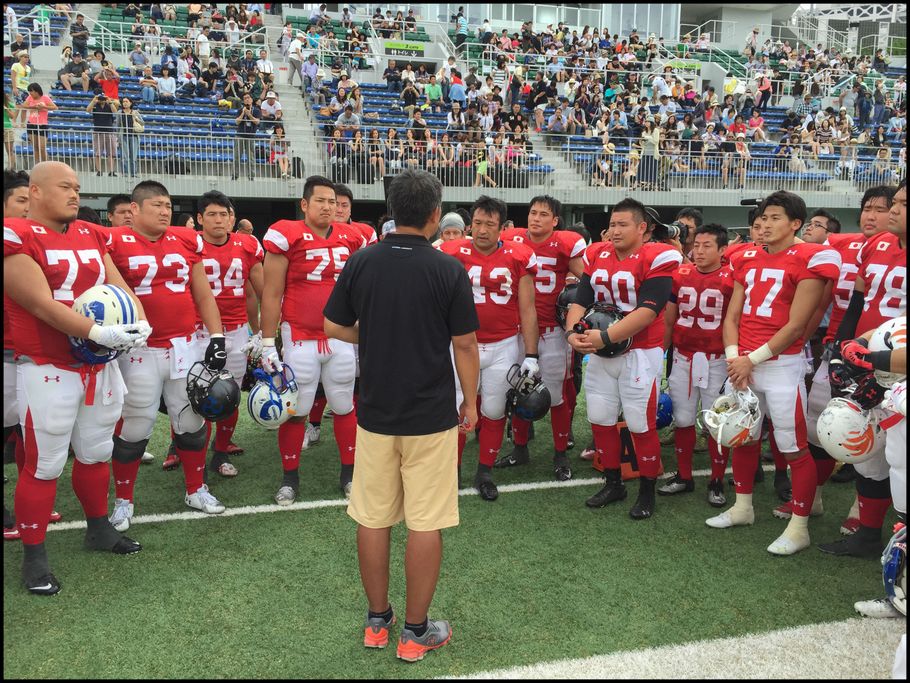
[(376, 631), (413, 648)]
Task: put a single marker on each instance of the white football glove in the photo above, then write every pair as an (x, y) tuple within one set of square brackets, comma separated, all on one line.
[(146, 331), (530, 367), (270, 360), (117, 337), (253, 348)]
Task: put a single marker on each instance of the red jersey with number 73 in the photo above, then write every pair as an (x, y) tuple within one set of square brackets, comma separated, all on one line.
[(227, 267), (883, 268), (770, 282), (701, 299)]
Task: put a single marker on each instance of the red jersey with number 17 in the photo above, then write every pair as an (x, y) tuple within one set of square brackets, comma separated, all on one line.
[(553, 256), (701, 299), (494, 280), (617, 281), (883, 268), (227, 267), (848, 246)]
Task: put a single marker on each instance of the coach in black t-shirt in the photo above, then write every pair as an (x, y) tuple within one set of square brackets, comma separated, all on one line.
[(405, 303)]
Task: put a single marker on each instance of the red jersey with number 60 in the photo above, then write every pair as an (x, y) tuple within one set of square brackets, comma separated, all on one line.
[(227, 267), (848, 246), (701, 299), (159, 273), (770, 282), (494, 279), (553, 256), (314, 264), (617, 281), (72, 262), (883, 268)]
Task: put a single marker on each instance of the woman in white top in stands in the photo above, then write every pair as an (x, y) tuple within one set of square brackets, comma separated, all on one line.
[(486, 118)]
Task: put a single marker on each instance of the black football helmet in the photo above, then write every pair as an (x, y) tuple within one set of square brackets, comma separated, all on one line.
[(528, 397), (565, 299), (213, 395), (600, 316)]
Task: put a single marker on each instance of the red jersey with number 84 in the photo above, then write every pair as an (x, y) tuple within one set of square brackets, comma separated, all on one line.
[(227, 267)]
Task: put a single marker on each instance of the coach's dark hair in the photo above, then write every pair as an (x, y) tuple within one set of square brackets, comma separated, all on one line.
[(413, 196), (344, 191), (148, 189), (833, 222), (13, 180), (635, 207), (886, 191), (552, 203), (116, 201), (213, 197), (716, 229), (580, 229), (313, 182), (754, 213), (491, 206), (694, 214), (792, 204)]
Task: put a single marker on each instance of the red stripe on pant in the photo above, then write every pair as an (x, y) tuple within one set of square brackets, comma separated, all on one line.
[(346, 436), (34, 498), (224, 431), (608, 445), (805, 481), (647, 451), (490, 441), (780, 462)]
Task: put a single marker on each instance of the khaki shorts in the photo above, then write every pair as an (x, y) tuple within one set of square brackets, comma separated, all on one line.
[(414, 478)]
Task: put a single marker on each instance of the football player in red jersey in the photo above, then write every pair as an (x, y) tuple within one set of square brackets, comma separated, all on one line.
[(558, 253), (302, 262), (163, 264), (778, 287), (233, 265), (502, 276), (637, 277), (50, 259), (694, 317)]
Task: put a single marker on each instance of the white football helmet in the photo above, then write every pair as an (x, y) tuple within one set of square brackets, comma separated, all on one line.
[(848, 433), (894, 570), (734, 419), (273, 399), (106, 305), (889, 336)]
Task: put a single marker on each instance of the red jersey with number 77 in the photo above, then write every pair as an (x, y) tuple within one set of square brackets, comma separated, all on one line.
[(227, 267), (770, 282), (701, 299), (883, 268)]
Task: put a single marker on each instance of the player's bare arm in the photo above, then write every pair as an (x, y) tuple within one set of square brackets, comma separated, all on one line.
[(528, 312), (205, 300), (275, 270)]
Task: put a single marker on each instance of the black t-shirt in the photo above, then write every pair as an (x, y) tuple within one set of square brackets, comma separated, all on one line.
[(76, 68), (211, 78), (103, 117), (410, 300), (513, 120)]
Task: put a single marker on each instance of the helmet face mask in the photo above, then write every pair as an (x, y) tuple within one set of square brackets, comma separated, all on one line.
[(894, 570), (528, 397), (213, 394), (734, 419), (273, 399)]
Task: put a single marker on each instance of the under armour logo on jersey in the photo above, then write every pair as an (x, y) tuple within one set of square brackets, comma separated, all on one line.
[(737, 483), (129, 238), (238, 244), (725, 274), (350, 448), (28, 526), (506, 251), (170, 238), (39, 229), (342, 237), (560, 434), (791, 252), (84, 231), (135, 360), (55, 378)]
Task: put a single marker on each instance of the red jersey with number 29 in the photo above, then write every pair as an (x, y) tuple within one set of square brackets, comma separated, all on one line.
[(553, 256), (617, 281), (159, 273), (701, 299), (883, 267), (494, 281), (848, 246), (72, 262), (227, 267), (770, 282), (314, 264)]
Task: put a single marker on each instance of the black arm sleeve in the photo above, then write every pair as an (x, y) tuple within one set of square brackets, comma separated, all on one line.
[(584, 294), (847, 329), (655, 292)]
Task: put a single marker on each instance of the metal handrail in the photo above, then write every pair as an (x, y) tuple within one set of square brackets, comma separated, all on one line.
[(29, 31)]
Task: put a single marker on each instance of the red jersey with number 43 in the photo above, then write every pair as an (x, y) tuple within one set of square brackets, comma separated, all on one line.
[(770, 281), (702, 300), (883, 268), (72, 262), (848, 246), (227, 267), (494, 279), (618, 281), (314, 264), (159, 273), (553, 256)]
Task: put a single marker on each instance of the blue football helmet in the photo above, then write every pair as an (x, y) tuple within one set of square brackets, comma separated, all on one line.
[(664, 410), (894, 570), (273, 398), (106, 305)]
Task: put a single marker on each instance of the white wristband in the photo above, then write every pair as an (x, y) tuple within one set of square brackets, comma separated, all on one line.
[(731, 351), (268, 341), (216, 336), (94, 333), (761, 354)]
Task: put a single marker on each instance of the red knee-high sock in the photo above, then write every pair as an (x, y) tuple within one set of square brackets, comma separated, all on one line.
[(745, 462), (34, 502), (125, 474), (823, 469), (224, 431), (317, 410), (607, 444), (780, 462), (685, 447), (569, 396), (872, 511), (805, 480), (719, 458), (91, 483), (346, 436), (561, 419), (19, 451), (491, 433), (290, 441), (521, 430), (647, 450), (462, 440), (193, 463)]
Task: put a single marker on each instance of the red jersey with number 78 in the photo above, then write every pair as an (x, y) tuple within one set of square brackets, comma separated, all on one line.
[(883, 268), (701, 299)]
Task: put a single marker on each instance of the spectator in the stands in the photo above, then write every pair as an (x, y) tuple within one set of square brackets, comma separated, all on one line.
[(37, 105), (278, 149), (169, 59), (149, 85), (409, 97), (80, 34), (203, 47), (127, 119), (271, 108), (266, 68), (392, 77), (109, 81), (348, 122), (755, 131), (138, 60), (75, 71), (167, 87), (247, 126), (457, 89), (104, 130)]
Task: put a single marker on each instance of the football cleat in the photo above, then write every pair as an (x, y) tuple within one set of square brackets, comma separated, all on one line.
[(854, 546), (561, 468), (733, 516), (790, 543), (588, 453), (716, 497), (44, 585), (313, 433), (613, 490), (879, 608), (55, 517), (147, 458), (644, 504), (204, 501), (11, 533), (485, 486), (785, 510), (676, 484), (518, 456), (285, 495)]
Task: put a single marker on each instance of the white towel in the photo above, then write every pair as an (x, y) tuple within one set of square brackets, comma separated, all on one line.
[(700, 370), (183, 355), (113, 388), (640, 368)]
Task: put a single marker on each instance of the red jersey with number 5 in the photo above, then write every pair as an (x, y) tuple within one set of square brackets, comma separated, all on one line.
[(770, 282), (227, 267), (72, 262), (618, 281), (701, 299), (314, 264), (494, 280), (848, 246), (883, 268), (553, 256), (159, 273)]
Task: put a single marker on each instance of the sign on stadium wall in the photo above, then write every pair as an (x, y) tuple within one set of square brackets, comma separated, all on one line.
[(684, 64), (403, 49)]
